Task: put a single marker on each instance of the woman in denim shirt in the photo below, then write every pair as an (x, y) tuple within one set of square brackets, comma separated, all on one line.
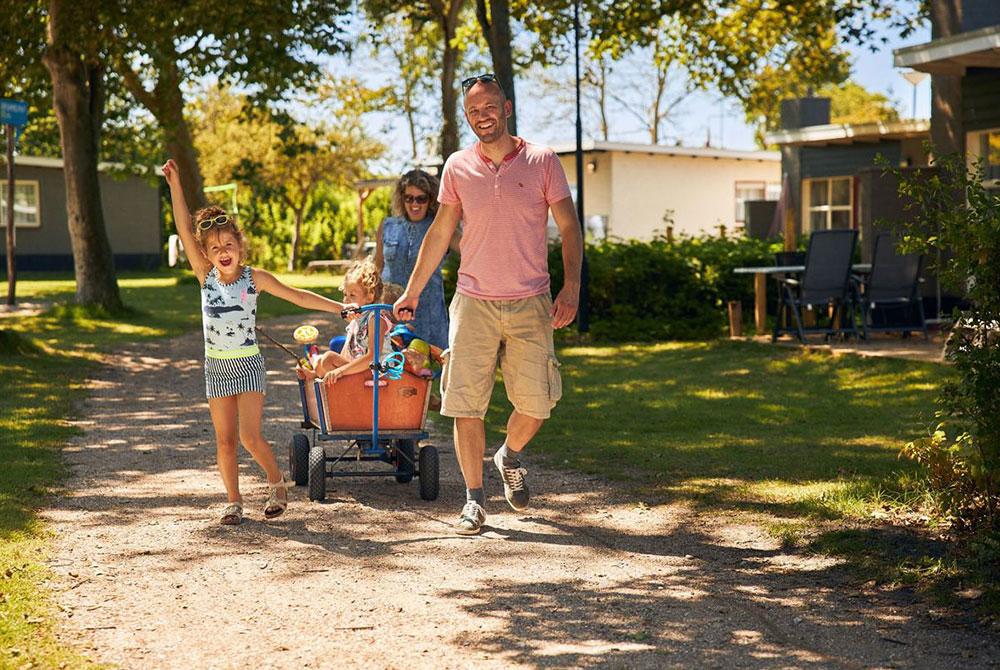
[(414, 204)]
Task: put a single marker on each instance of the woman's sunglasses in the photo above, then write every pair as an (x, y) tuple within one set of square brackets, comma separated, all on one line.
[(220, 220), (416, 199)]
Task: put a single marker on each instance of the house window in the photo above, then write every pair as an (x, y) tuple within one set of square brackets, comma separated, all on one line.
[(990, 152), (753, 190), (982, 147), (828, 203), (26, 213)]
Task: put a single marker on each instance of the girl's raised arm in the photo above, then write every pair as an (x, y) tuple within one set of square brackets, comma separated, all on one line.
[(268, 283), (182, 221)]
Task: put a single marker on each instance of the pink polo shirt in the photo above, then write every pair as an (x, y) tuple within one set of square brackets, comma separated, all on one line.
[(505, 211)]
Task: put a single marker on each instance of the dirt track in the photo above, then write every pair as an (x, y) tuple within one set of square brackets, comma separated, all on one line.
[(373, 578)]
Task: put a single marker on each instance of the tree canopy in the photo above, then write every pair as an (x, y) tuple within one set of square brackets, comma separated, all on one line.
[(268, 47), (755, 51), (851, 102), (279, 159)]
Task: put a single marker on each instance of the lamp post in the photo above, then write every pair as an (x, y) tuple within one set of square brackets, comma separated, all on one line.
[(914, 77), (583, 313)]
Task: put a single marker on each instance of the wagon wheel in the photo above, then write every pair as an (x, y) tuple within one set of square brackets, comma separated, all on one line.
[(404, 460), (429, 473), (317, 474), (298, 459)]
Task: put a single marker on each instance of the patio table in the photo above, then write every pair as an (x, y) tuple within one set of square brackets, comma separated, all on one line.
[(760, 274)]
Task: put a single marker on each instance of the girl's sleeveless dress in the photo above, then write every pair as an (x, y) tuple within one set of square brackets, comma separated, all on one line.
[(357, 336), (233, 363)]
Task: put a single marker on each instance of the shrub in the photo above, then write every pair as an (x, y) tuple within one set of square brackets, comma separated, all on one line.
[(331, 221), (662, 290), (13, 343), (955, 215), (659, 290)]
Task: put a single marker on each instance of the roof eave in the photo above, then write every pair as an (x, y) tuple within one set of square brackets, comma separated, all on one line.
[(953, 54), (591, 146), (849, 133), (57, 163)]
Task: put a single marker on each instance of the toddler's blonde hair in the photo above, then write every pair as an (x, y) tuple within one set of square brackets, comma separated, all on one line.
[(364, 273)]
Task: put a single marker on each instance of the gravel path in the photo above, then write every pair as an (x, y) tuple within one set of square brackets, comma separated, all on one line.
[(147, 578)]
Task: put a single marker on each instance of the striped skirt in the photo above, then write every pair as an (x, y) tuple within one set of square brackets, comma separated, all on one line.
[(232, 376)]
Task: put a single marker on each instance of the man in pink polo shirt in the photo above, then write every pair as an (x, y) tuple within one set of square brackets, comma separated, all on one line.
[(503, 189)]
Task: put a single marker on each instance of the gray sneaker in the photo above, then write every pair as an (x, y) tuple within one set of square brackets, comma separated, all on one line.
[(472, 519), (515, 489)]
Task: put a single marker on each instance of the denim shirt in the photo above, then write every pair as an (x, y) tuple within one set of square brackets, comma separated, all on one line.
[(401, 240)]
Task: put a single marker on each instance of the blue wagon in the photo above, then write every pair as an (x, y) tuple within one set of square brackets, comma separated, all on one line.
[(360, 418)]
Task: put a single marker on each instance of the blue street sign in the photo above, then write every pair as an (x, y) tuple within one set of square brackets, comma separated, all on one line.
[(13, 112)]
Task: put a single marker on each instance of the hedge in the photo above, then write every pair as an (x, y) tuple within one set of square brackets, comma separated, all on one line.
[(660, 290)]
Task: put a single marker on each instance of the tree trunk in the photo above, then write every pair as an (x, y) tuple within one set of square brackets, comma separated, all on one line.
[(78, 102), (657, 113), (410, 111), (180, 146), (449, 99), (946, 90), (447, 14), (177, 133), (166, 103), (602, 98), (293, 258), (412, 125), (496, 29)]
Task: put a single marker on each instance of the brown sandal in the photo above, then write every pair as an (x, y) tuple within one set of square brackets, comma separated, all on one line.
[(232, 514), (275, 506)]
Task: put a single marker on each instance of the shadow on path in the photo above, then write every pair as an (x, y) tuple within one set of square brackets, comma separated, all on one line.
[(373, 577)]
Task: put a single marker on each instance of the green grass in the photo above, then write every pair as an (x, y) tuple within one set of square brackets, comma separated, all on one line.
[(159, 305), (803, 443), (791, 438), (43, 362), (32, 428), (740, 426)]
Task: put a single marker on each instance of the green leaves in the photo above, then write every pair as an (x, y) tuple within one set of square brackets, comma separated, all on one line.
[(757, 51), (661, 290), (286, 163), (955, 221)]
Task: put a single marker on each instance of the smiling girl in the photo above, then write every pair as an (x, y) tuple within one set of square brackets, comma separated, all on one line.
[(234, 368)]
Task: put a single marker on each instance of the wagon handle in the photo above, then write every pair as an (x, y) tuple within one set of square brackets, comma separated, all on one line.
[(377, 365), (374, 307)]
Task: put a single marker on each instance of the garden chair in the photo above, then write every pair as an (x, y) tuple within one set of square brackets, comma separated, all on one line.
[(891, 294), (825, 282), (784, 259)]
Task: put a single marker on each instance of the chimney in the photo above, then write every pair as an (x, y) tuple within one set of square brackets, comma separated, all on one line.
[(802, 112)]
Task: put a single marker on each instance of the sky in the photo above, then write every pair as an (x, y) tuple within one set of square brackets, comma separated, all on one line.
[(703, 115)]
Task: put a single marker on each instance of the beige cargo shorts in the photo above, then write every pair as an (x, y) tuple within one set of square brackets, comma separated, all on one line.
[(517, 334)]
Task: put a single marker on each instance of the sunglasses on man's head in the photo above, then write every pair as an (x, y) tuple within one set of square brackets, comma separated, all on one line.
[(220, 220), (472, 81), (416, 199)]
